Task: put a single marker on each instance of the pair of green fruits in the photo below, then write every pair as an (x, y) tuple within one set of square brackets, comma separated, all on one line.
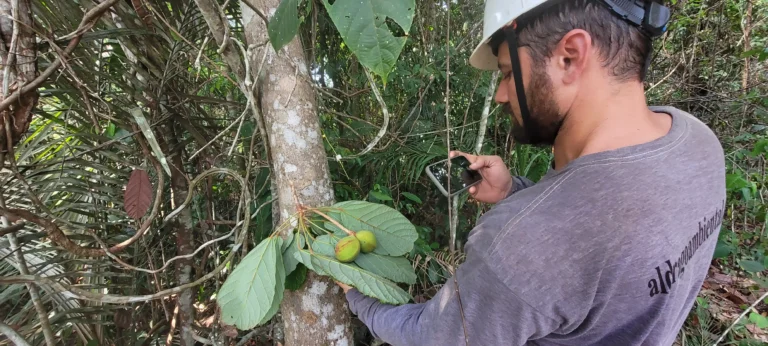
[(350, 246)]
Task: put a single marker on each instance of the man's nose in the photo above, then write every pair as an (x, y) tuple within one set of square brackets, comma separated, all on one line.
[(501, 93)]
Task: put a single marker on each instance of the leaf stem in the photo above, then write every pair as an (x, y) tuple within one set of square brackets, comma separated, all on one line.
[(334, 222)]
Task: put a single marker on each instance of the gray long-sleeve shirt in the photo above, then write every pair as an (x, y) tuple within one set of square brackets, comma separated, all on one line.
[(610, 250)]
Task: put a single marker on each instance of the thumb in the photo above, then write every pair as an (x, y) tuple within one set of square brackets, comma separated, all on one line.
[(478, 163)]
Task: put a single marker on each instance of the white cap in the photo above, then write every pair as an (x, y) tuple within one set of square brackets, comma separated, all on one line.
[(498, 14)]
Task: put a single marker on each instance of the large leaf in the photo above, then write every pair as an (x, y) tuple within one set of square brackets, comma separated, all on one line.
[(294, 280), (395, 235), (367, 283), (325, 244), (284, 25), (759, 320), (362, 25), (289, 248), (138, 194), (279, 290), (752, 266), (248, 296), (397, 269)]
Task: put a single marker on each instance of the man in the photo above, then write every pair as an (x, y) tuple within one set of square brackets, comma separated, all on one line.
[(612, 245)]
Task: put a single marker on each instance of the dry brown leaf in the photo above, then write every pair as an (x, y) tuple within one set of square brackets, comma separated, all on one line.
[(138, 194)]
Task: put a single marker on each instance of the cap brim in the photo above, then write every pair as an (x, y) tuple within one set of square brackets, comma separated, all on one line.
[(482, 57)]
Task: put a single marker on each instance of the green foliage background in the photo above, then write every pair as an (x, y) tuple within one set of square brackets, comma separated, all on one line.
[(79, 152)]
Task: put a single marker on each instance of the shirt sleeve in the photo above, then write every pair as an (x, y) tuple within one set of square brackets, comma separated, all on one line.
[(519, 183), (492, 314)]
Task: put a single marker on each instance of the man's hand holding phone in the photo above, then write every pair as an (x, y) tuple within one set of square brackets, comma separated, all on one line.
[(496, 183)]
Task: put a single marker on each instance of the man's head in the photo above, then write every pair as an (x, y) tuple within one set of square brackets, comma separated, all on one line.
[(568, 51)]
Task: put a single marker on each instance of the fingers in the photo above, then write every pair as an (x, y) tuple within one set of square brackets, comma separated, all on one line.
[(470, 157)]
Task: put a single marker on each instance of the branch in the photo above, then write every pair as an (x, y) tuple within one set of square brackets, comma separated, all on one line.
[(34, 294), (211, 12), (384, 111), (486, 112), (740, 317), (12, 335), (12, 228), (88, 21)]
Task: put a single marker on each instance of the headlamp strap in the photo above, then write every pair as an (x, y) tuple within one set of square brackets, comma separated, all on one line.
[(517, 73)]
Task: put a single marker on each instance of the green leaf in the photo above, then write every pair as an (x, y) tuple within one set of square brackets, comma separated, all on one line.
[(111, 130), (760, 320), (397, 269), (279, 291), (362, 25), (367, 283), (752, 266), (296, 279), (289, 260), (395, 235), (325, 245), (412, 197), (284, 25), (723, 249), (304, 257), (735, 182), (380, 195), (249, 294)]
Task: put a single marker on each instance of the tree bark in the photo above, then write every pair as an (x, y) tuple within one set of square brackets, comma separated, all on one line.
[(18, 55), (316, 314), (184, 239)]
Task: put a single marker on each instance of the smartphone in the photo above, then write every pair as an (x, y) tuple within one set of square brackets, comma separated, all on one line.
[(462, 178)]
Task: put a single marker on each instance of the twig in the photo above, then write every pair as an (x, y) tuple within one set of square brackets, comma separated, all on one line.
[(200, 248), (12, 335), (740, 317), (88, 21), (13, 48), (75, 292), (200, 53), (42, 314), (334, 222), (250, 335), (248, 88), (226, 28), (169, 338)]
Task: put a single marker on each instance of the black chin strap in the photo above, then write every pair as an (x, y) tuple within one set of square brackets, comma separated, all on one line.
[(511, 37)]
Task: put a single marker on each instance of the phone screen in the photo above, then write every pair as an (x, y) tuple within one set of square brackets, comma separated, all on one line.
[(461, 176)]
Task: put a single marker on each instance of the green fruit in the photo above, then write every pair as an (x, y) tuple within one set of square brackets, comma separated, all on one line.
[(367, 240), (347, 249)]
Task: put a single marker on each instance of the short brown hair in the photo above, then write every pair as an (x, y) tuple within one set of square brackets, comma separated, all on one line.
[(622, 46)]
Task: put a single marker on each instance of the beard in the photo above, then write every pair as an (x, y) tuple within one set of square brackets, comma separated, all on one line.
[(545, 119)]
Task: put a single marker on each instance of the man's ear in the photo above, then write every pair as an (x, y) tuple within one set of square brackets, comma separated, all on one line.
[(571, 56)]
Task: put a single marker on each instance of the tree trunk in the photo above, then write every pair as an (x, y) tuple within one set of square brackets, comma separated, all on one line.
[(182, 226), (316, 314), (18, 58)]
